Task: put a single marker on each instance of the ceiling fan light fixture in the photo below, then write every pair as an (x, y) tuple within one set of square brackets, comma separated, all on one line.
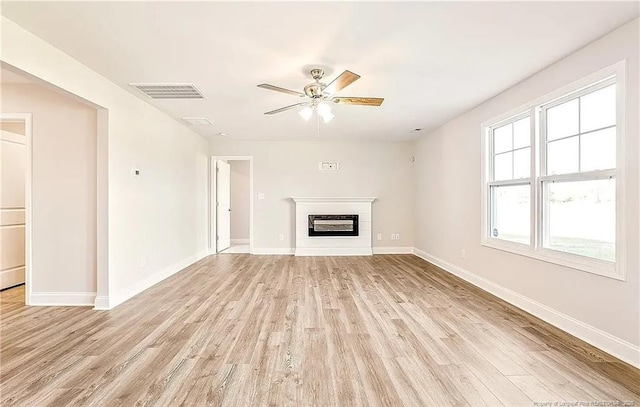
[(306, 113), (327, 117), (324, 111), (317, 94)]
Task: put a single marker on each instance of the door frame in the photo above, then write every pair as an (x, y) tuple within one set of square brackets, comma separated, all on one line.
[(212, 198), (28, 224)]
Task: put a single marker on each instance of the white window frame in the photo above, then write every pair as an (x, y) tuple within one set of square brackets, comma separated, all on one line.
[(533, 109)]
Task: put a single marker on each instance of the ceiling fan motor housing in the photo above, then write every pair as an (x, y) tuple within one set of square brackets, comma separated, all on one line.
[(314, 90)]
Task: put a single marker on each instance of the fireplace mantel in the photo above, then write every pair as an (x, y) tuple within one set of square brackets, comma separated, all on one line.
[(360, 245), (333, 199)]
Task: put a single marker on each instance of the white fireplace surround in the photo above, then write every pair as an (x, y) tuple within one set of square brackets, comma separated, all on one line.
[(333, 245)]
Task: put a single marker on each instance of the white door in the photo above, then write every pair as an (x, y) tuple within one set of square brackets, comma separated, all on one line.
[(13, 156), (223, 205)]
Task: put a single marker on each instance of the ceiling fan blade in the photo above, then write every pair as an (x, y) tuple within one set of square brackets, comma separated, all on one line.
[(282, 109), (345, 79), (279, 89), (344, 100)]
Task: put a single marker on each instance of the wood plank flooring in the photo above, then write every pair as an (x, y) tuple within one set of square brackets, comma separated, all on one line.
[(240, 330)]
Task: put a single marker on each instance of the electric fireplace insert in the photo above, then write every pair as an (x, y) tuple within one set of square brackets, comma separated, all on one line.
[(333, 225)]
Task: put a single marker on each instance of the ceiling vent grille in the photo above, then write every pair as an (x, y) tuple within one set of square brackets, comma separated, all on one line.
[(197, 121), (169, 90)]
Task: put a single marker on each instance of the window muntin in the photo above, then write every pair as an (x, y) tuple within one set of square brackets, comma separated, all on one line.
[(511, 144), (580, 133), (576, 140)]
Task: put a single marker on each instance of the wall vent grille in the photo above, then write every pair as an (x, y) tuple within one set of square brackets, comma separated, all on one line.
[(169, 90)]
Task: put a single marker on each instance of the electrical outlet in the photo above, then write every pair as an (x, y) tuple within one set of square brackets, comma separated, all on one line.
[(379, 236), (327, 166), (260, 195), (397, 236), (463, 254), (281, 237)]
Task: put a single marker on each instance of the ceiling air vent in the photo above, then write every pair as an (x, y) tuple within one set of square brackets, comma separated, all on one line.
[(169, 90), (197, 121)]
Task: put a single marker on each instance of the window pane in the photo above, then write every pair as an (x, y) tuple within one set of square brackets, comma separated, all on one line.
[(522, 133), (522, 163), (598, 150), (502, 166), (502, 140), (562, 120), (598, 109), (582, 218), (562, 156), (511, 209)]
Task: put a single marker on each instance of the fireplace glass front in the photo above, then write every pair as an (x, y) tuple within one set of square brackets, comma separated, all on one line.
[(333, 225)]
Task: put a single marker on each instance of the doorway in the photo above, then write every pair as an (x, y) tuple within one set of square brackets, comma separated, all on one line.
[(15, 198), (232, 204)]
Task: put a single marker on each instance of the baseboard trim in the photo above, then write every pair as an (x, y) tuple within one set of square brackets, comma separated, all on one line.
[(393, 250), (62, 299), (12, 277), (273, 251), (112, 301), (615, 346), (333, 251), (102, 303), (239, 241)]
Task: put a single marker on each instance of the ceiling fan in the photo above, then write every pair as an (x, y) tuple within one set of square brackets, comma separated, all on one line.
[(317, 94)]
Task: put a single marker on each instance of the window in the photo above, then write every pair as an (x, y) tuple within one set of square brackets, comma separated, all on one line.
[(552, 177), (509, 187)]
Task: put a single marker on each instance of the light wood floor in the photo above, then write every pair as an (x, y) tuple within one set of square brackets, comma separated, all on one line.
[(242, 330)]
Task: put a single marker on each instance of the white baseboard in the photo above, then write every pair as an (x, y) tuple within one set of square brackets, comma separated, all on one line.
[(333, 251), (12, 277), (102, 303), (113, 300), (280, 251), (62, 299), (393, 250), (615, 346), (239, 241)]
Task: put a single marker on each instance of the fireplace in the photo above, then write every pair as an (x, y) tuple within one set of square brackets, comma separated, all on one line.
[(333, 225)]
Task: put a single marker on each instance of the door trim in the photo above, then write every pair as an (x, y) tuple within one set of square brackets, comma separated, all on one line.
[(27, 119), (212, 198)]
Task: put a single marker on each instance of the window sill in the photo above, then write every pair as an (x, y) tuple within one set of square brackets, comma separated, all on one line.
[(593, 266)]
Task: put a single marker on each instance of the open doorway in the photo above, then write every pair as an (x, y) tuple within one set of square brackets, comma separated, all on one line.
[(15, 144), (232, 209), (49, 192)]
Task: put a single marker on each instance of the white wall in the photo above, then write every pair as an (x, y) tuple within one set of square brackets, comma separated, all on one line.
[(148, 227), (63, 188), (448, 214), (283, 169), (240, 199)]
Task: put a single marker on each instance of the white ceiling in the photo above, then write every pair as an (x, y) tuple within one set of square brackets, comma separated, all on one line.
[(430, 61)]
